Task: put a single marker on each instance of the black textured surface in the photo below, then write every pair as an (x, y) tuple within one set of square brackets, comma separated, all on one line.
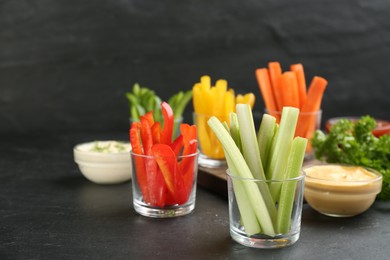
[(65, 65), (49, 211)]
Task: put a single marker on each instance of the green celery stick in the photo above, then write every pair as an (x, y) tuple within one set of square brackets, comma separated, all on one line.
[(294, 166), (265, 136), (143, 91), (182, 103), (281, 148), (132, 99), (140, 109), (172, 101), (237, 161), (135, 116), (136, 89), (250, 150), (235, 130), (226, 127), (248, 216), (157, 114)]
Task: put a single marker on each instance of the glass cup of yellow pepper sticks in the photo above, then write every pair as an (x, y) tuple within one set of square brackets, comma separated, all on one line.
[(219, 101)]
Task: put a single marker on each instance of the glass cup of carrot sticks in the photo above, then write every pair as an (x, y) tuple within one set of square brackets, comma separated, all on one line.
[(219, 101), (288, 89)]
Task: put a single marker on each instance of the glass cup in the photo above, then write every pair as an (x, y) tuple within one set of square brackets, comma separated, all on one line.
[(249, 225), (308, 123), (211, 150), (166, 191)]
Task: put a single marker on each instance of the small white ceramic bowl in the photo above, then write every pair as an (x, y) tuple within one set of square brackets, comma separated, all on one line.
[(104, 162)]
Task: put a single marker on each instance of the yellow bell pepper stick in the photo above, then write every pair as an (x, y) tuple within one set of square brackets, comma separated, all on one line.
[(248, 98), (216, 101), (229, 105)]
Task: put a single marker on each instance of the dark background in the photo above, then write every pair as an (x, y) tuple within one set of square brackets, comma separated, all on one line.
[(65, 65)]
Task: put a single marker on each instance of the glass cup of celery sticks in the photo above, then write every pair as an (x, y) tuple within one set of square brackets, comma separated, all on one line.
[(308, 123), (211, 150), (265, 177), (249, 225)]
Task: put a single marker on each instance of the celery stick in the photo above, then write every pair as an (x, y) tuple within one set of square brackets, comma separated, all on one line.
[(281, 148), (249, 141), (265, 136), (294, 166), (181, 103), (235, 130), (250, 150), (238, 162), (226, 126), (248, 216)]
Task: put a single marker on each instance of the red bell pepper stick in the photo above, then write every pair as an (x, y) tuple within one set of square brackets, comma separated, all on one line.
[(156, 132), (167, 161), (166, 133), (188, 132), (139, 162), (177, 145), (190, 147), (155, 180), (149, 117), (187, 166)]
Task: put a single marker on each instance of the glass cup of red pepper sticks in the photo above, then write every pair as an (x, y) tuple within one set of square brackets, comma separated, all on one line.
[(164, 167)]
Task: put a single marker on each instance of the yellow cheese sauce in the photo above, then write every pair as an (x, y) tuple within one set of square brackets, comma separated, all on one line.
[(339, 190), (339, 175)]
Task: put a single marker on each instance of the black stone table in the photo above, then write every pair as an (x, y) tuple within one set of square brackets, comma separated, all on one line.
[(48, 210)]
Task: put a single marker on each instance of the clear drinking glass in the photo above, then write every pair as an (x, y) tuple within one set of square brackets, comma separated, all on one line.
[(166, 191), (249, 225), (308, 123), (211, 150)]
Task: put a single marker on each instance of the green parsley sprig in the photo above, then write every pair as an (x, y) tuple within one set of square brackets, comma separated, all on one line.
[(353, 143)]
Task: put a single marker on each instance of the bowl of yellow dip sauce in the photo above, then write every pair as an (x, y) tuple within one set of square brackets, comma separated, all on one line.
[(341, 190)]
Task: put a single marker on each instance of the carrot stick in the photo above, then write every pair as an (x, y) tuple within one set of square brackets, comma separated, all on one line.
[(289, 85), (312, 104), (266, 89), (314, 94), (275, 71), (299, 72)]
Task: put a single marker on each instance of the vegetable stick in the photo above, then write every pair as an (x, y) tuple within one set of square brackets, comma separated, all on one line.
[(294, 166), (248, 98), (289, 85), (255, 199), (312, 104), (229, 103), (275, 71), (265, 136), (251, 154), (300, 74), (265, 86), (205, 81), (218, 95), (281, 148), (314, 95)]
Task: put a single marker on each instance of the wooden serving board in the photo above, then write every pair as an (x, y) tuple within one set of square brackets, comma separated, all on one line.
[(214, 179)]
